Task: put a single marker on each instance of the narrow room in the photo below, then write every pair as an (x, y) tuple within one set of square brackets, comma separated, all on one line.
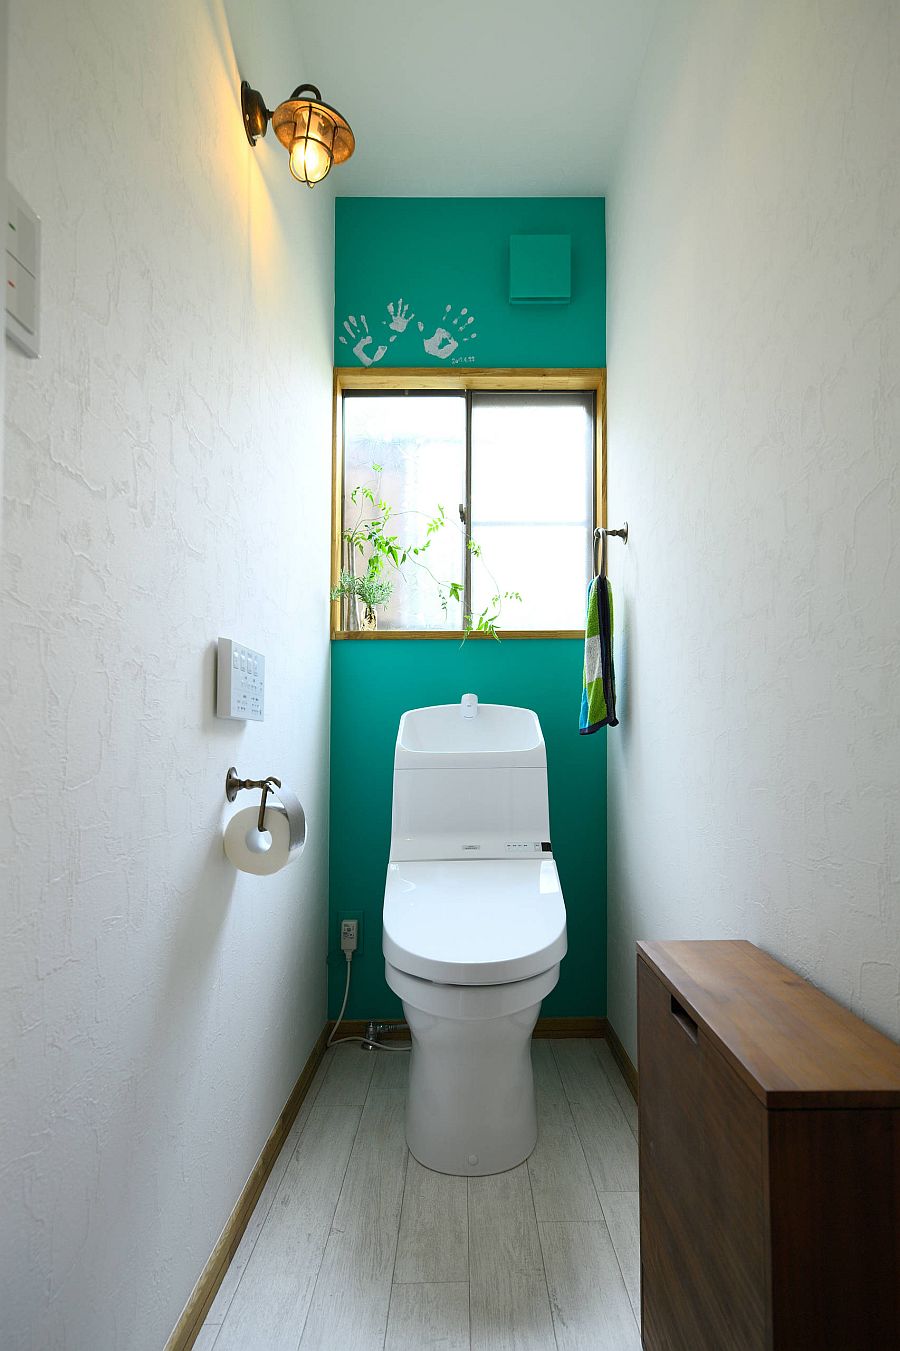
[(449, 701)]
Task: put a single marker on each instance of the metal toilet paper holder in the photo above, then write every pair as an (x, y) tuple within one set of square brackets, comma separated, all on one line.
[(234, 784)]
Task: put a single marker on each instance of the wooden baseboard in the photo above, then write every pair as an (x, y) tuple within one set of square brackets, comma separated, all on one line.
[(546, 1027), (623, 1060), (570, 1027), (204, 1292)]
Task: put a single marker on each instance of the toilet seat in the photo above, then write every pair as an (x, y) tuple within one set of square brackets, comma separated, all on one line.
[(474, 921)]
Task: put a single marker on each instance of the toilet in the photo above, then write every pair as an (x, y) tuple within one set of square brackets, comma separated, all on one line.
[(474, 928)]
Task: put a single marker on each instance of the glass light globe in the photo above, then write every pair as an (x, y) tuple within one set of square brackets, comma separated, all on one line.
[(310, 161)]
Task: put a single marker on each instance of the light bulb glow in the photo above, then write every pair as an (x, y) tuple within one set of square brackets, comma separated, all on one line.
[(310, 160)]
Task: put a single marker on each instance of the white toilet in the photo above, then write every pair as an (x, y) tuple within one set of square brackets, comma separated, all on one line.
[(474, 928)]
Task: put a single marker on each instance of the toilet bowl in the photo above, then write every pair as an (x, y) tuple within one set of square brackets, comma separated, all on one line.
[(474, 929)]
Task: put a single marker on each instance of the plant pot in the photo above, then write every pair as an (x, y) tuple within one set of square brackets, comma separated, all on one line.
[(368, 620)]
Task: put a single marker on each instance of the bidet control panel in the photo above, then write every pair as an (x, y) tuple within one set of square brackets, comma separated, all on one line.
[(240, 682)]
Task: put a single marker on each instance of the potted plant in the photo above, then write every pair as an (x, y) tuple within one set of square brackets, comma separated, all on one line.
[(370, 539), (370, 589)]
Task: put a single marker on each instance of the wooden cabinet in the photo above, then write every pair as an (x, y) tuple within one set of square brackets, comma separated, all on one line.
[(769, 1156)]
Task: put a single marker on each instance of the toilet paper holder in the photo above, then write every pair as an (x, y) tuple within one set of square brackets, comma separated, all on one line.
[(234, 784)]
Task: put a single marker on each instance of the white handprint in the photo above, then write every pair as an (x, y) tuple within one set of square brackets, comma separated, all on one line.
[(400, 316), (360, 330), (443, 343)]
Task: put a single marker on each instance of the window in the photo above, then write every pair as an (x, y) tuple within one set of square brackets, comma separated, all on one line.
[(411, 451), (497, 488), (532, 510)]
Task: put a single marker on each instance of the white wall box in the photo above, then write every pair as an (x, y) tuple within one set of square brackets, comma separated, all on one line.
[(540, 269)]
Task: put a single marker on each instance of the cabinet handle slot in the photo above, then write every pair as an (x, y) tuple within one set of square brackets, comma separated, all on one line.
[(684, 1019)]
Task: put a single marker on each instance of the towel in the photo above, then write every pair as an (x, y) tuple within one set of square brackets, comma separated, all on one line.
[(598, 697)]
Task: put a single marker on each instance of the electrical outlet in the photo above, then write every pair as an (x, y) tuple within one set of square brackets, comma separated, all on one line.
[(356, 918), (349, 934)]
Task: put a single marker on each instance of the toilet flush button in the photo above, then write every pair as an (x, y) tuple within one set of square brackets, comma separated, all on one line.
[(472, 1160)]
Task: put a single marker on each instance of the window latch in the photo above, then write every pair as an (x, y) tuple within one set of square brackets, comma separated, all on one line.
[(462, 512)]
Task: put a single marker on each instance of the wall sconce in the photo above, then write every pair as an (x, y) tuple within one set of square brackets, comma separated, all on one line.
[(315, 135)]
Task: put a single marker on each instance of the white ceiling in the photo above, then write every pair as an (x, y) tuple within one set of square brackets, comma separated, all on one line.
[(477, 97)]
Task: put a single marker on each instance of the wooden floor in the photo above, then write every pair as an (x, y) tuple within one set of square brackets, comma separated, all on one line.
[(356, 1247)]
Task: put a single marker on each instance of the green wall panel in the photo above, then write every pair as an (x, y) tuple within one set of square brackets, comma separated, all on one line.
[(447, 260), (372, 684)]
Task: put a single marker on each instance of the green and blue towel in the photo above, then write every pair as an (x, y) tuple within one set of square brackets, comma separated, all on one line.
[(598, 697)]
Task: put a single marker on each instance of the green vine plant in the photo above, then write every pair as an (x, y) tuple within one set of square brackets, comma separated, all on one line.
[(370, 539)]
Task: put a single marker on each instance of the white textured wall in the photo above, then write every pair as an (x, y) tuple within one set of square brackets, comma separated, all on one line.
[(167, 476), (754, 446)]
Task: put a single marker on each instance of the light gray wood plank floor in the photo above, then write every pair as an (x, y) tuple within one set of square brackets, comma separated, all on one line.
[(433, 1315), (354, 1245), (608, 1140), (591, 1308)]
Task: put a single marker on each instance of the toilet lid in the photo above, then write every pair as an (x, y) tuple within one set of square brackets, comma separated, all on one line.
[(474, 922)]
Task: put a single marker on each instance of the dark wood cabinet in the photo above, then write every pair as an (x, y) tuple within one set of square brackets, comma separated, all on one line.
[(769, 1159)]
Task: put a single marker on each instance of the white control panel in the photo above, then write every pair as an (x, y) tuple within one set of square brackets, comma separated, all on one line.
[(241, 682), (23, 256)]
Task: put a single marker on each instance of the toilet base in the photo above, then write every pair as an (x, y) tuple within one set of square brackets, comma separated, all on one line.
[(471, 1106)]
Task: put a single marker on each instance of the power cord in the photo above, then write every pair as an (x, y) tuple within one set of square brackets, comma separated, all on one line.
[(338, 1041)]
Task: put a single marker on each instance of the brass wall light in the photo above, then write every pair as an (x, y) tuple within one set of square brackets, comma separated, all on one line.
[(314, 134)]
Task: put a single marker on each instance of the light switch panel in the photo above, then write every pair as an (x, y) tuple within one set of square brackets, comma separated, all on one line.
[(23, 261), (240, 682)]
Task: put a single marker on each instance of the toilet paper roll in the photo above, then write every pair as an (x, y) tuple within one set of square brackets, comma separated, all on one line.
[(279, 844)]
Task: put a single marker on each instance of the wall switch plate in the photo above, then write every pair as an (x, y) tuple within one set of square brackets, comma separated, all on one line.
[(23, 260), (240, 682)]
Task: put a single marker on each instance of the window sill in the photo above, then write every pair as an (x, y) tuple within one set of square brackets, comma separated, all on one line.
[(453, 635)]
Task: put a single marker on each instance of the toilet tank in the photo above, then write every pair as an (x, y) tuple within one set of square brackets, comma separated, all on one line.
[(470, 787)]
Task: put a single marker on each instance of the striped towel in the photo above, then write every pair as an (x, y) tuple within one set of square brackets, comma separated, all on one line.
[(598, 697)]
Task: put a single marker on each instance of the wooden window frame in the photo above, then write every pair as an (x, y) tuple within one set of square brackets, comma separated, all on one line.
[(498, 379)]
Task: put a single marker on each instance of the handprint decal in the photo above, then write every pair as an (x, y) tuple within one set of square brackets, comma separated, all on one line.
[(360, 331), (400, 316), (448, 336), (444, 341)]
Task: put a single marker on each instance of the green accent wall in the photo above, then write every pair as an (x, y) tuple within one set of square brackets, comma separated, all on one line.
[(372, 684), (431, 253), (441, 256)]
